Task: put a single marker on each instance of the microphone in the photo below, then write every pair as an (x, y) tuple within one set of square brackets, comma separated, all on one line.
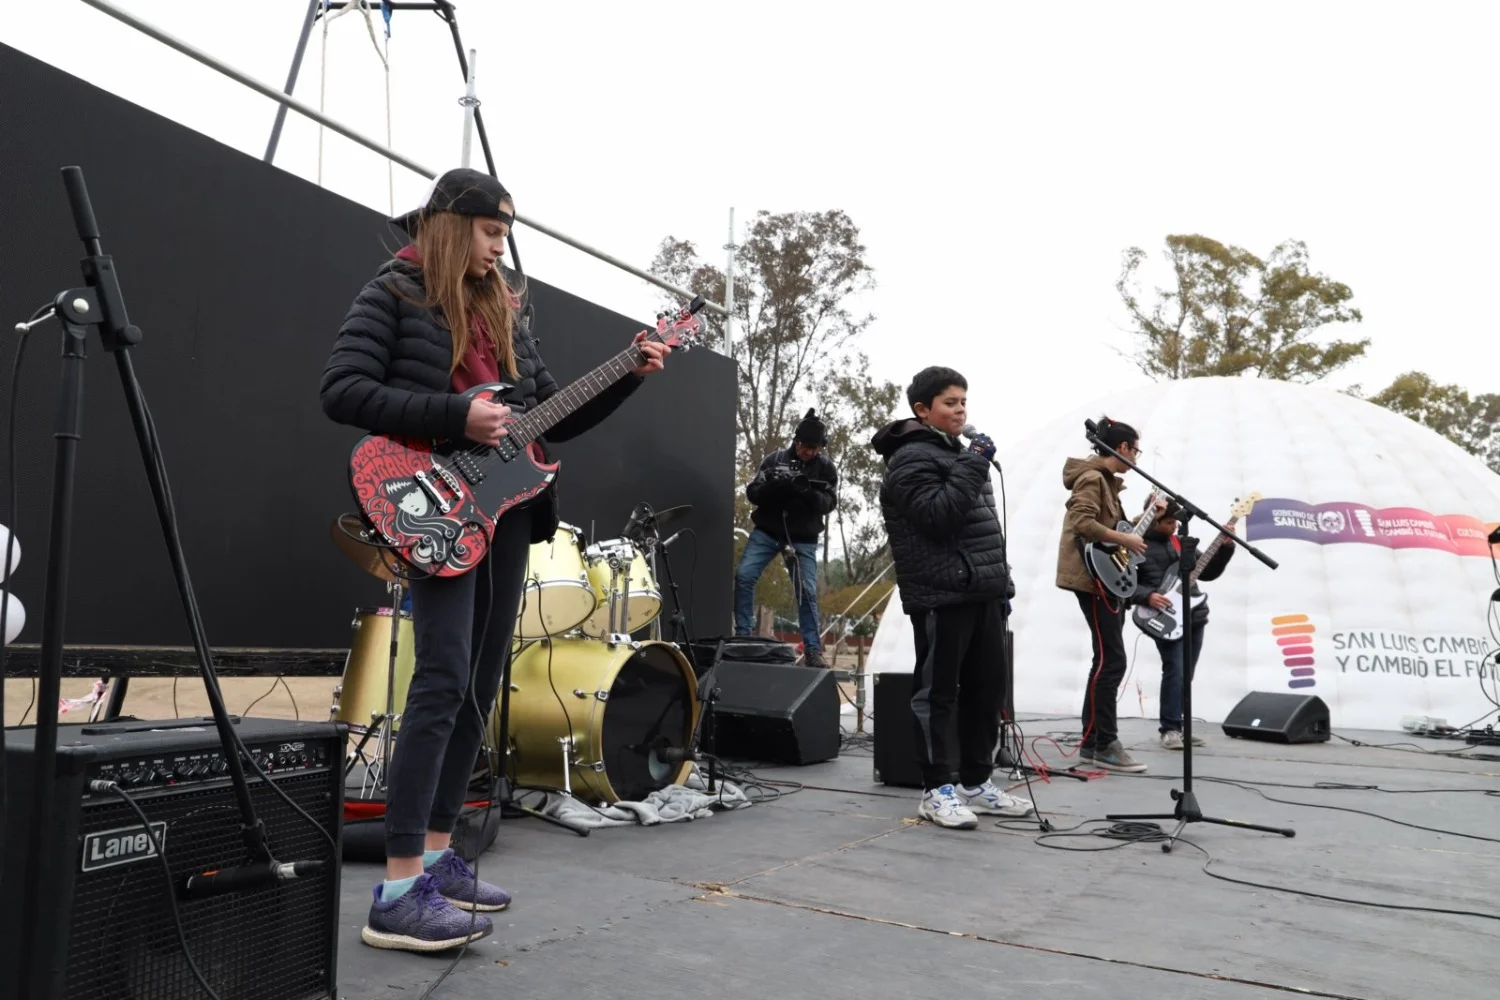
[(1091, 428), (640, 518), (245, 878), (971, 432)]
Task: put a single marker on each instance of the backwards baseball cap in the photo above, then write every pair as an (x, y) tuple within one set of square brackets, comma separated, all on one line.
[(464, 192)]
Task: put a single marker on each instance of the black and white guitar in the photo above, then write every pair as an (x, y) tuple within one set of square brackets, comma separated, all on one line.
[(1114, 567), (1166, 623)]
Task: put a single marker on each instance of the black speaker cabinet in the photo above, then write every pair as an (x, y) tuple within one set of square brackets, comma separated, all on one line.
[(895, 725), (775, 712), (105, 930), (895, 733), (1279, 718)]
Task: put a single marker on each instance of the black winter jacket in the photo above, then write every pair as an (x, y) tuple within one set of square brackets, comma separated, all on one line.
[(941, 519), (792, 497), (390, 373), (1161, 555)]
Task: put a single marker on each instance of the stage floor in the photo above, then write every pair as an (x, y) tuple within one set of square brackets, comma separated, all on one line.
[(837, 891)]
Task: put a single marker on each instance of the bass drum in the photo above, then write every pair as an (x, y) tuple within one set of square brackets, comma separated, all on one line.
[(361, 694), (557, 595), (617, 703)]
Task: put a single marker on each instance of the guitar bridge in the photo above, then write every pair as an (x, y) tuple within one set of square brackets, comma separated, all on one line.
[(437, 498)]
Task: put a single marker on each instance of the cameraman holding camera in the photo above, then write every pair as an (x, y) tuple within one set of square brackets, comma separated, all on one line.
[(793, 492)]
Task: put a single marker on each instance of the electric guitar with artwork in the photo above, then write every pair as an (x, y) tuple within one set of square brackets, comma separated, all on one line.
[(1114, 567), (436, 503), (1166, 623)]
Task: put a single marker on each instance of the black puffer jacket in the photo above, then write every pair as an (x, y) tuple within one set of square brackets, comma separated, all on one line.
[(792, 496), (1162, 555), (390, 373), (941, 518)]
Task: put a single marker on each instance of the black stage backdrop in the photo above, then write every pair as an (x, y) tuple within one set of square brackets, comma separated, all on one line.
[(239, 275)]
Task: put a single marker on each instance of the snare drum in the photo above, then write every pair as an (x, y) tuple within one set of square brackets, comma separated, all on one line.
[(557, 596), (361, 694), (632, 584), (615, 704)]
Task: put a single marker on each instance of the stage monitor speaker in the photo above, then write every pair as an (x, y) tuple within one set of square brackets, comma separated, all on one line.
[(895, 746), (895, 733), (776, 712), (106, 930), (1279, 718)]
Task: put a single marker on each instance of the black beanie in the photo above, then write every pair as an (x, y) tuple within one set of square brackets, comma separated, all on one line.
[(811, 430)]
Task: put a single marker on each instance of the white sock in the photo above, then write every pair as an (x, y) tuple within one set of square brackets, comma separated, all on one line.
[(428, 857)]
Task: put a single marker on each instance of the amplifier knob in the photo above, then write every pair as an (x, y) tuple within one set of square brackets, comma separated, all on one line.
[(220, 768)]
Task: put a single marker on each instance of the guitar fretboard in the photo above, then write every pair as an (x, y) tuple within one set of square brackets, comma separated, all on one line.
[(535, 422), (1208, 553)]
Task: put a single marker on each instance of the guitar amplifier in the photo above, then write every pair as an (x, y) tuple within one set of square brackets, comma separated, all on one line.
[(105, 929)]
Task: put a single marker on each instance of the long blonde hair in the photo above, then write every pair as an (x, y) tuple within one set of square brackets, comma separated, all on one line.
[(443, 242)]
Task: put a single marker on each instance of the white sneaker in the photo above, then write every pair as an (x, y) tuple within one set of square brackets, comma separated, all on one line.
[(992, 800), (1171, 740), (943, 807)]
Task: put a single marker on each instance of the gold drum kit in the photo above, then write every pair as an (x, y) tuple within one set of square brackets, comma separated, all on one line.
[(593, 711)]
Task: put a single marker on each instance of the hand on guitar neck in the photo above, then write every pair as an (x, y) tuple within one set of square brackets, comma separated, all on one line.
[(1131, 541)]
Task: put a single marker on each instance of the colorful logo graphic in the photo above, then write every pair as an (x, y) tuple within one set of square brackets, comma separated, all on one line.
[(1391, 527), (1294, 634)]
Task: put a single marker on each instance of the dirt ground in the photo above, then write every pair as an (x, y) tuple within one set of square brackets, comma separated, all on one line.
[(308, 698)]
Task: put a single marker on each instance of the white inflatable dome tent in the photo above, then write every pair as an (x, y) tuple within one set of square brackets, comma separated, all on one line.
[(1382, 600)]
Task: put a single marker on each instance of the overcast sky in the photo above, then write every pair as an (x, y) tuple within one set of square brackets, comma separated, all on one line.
[(997, 156)]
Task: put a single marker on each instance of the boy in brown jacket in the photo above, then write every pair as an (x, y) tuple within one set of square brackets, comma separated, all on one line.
[(1093, 511)]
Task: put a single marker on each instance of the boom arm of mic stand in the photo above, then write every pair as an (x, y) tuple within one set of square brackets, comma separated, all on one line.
[(1187, 505)]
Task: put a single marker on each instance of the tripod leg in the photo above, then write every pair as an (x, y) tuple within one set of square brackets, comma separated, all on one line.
[(119, 684), (516, 807)]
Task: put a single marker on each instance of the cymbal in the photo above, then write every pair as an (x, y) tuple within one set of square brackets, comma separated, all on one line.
[(351, 536), (666, 517)]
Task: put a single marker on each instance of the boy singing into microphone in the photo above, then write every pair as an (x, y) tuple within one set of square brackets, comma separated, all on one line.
[(946, 541)]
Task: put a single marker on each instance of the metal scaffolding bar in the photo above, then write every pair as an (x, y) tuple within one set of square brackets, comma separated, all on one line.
[(266, 90)]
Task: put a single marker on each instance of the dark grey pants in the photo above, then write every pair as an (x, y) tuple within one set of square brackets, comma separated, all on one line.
[(957, 690), (437, 746)]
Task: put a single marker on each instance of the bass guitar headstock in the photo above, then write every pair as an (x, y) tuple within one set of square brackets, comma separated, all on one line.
[(1243, 507)]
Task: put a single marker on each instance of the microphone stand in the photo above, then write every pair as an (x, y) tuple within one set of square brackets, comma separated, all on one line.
[(100, 305), (1187, 809)]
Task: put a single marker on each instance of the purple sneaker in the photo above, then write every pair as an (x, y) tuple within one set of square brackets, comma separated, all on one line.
[(459, 886), (421, 920)]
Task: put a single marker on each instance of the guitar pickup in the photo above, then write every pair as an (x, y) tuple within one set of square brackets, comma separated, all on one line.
[(432, 494), (467, 467)]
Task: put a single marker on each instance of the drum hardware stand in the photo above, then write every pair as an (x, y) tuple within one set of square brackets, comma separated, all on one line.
[(707, 701), (1187, 809)]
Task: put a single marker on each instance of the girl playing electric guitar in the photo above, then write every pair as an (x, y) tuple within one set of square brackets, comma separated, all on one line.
[(437, 320)]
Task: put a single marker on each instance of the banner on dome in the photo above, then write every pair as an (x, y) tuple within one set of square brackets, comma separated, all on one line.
[(1391, 527)]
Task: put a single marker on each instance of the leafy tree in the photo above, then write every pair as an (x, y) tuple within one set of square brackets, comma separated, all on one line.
[(1229, 312), (854, 407), (1471, 422), (796, 276), (847, 601)]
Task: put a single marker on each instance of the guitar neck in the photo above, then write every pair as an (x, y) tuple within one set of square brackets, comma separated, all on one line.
[(537, 421), (1208, 553), (1145, 521)]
